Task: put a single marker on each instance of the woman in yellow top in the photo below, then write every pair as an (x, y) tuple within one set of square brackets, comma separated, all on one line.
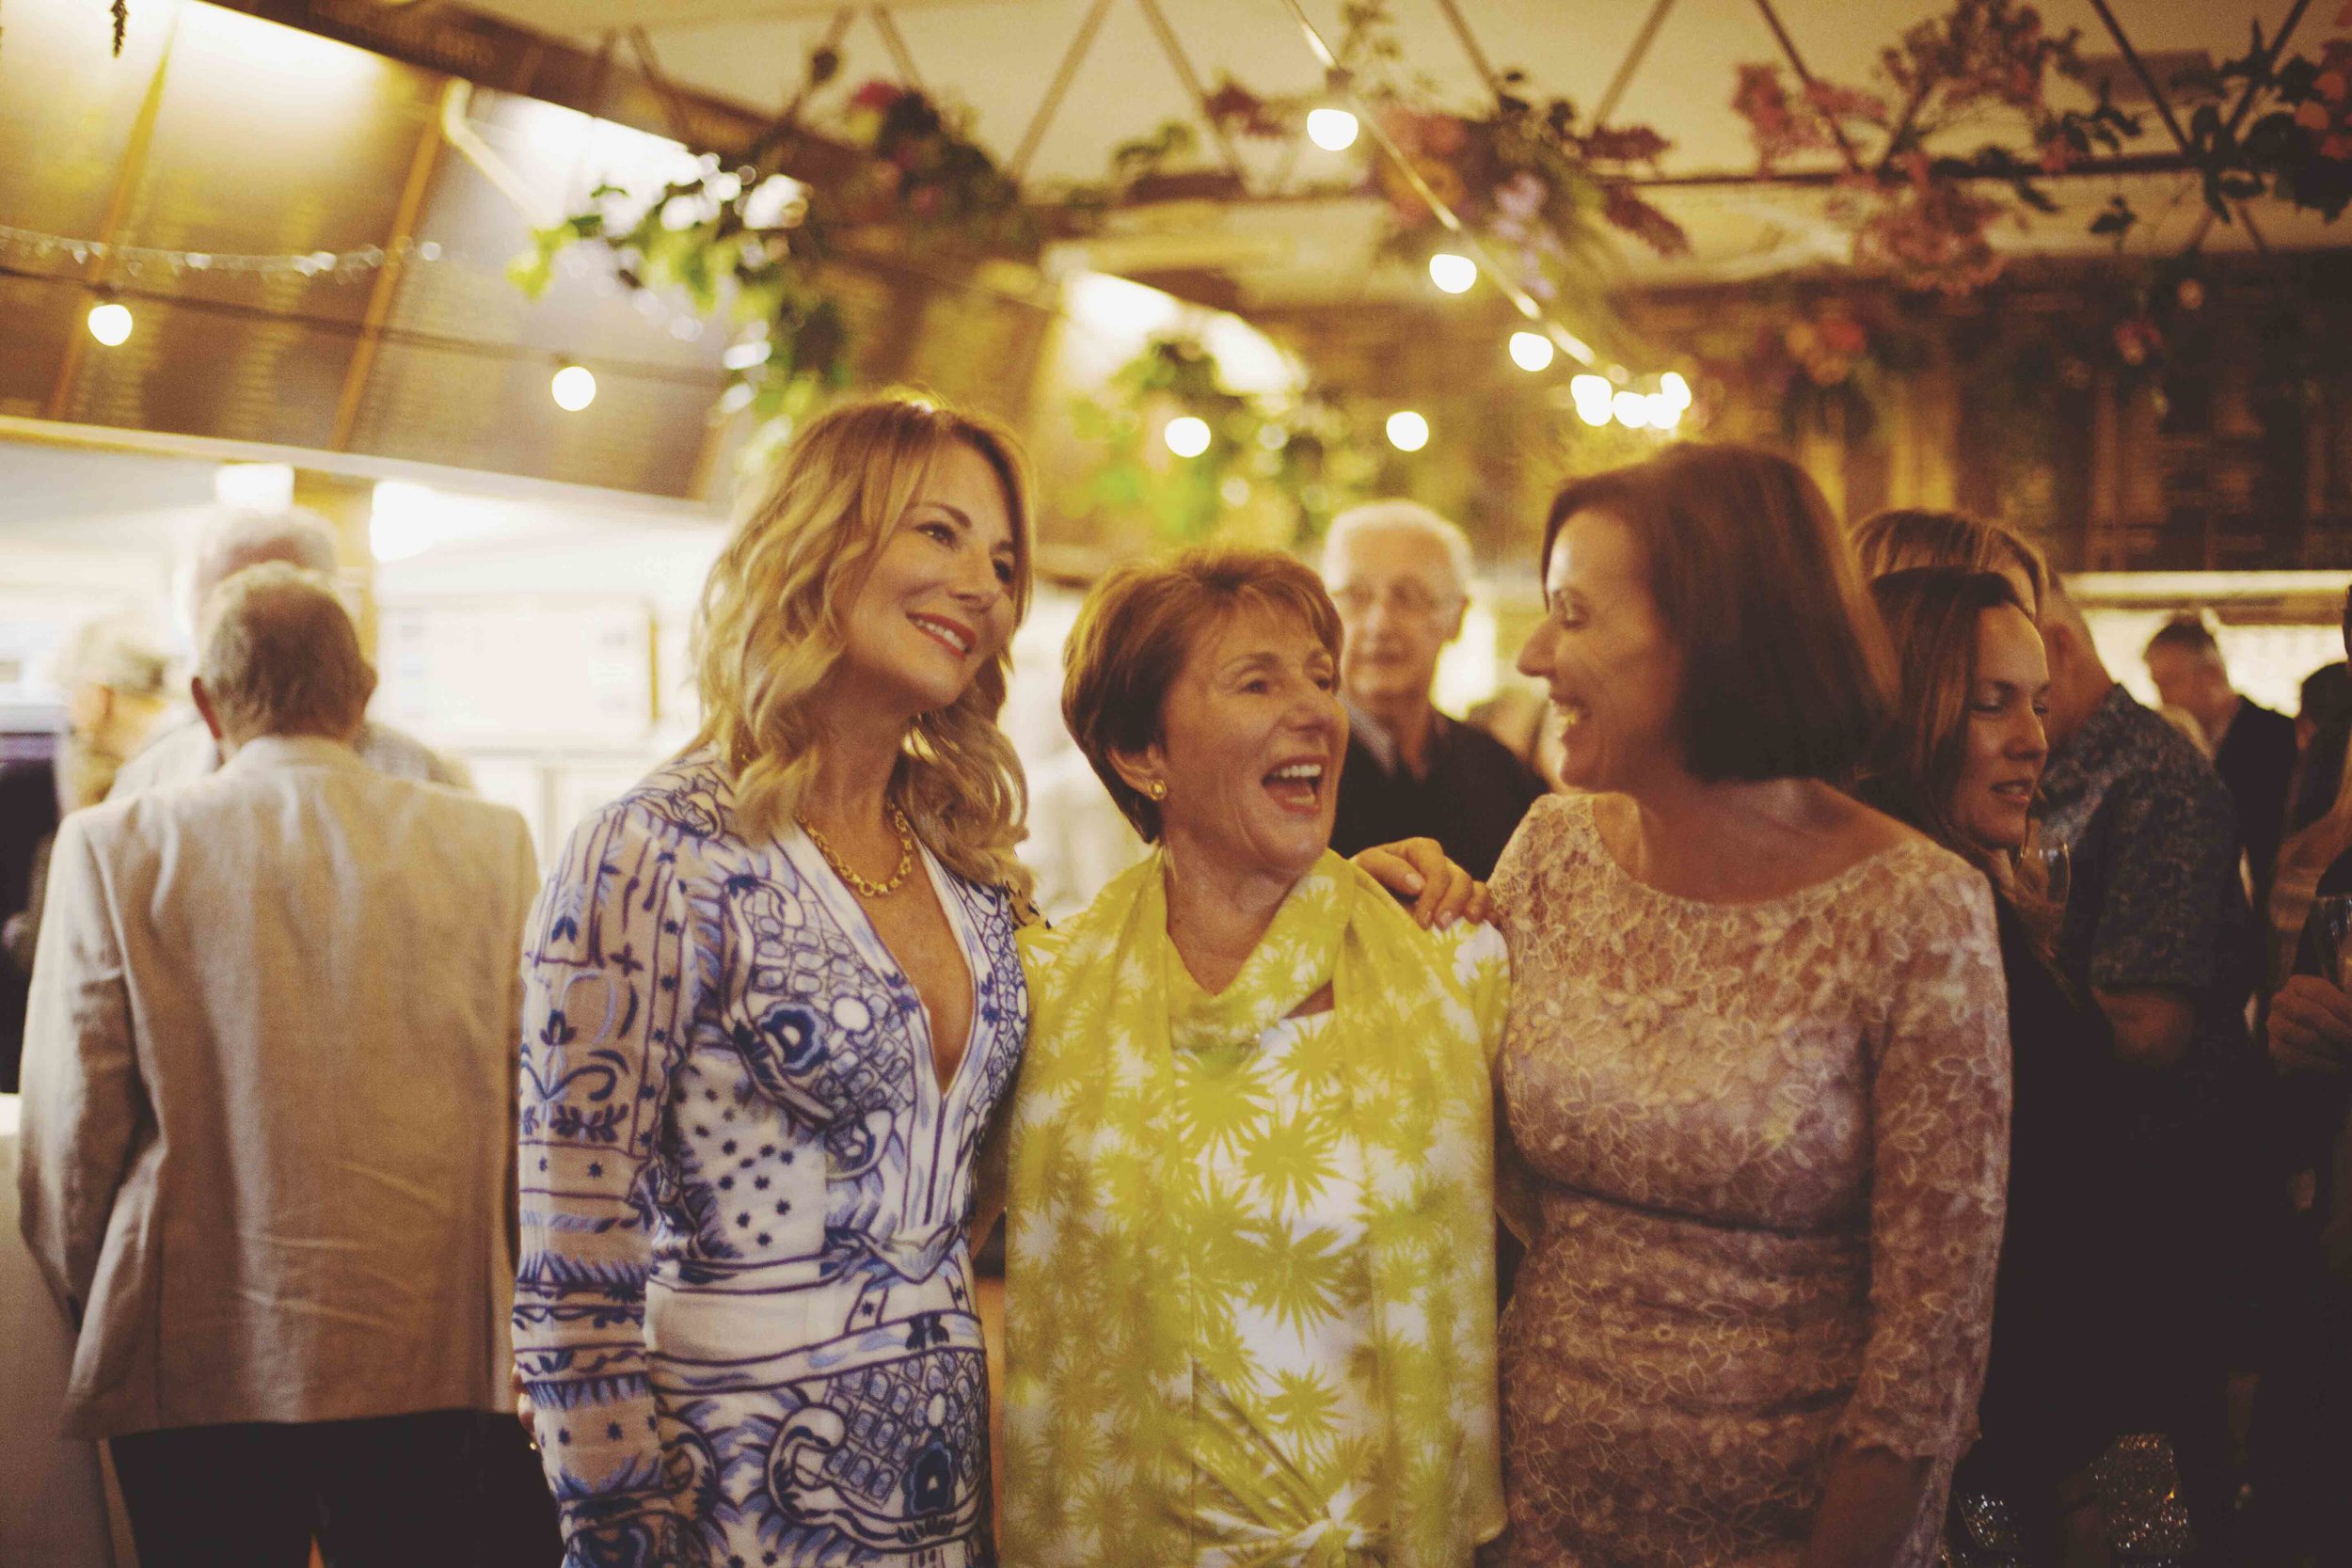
[(1250, 1271)]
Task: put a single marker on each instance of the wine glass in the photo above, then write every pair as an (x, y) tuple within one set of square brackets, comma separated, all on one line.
[(2331, 917), (2047, 870)]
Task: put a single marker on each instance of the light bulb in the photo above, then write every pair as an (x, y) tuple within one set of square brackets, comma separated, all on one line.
[(1664, 413), (1675, 390), (1632, 410), (1531, 351), (1407, 431), (573, 389), (1451, 273), (1594, 397), (1332, 130), (110, 324), (1187, 435)]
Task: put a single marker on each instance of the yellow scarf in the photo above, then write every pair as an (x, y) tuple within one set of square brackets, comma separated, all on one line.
[(1106, 1212)]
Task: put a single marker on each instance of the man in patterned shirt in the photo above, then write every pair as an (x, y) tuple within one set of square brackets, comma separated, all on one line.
[(2157, 929)]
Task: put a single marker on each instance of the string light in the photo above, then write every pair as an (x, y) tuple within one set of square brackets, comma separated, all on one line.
[(1531, 351), (139, 259), (1451, 273), (1332, 130), (573, 389), (1186, 436), (1632, 409), (1594, 399), (1407, 431), (110, 324)]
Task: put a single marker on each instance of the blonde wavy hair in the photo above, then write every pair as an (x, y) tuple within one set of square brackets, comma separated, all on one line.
[(773, 623)]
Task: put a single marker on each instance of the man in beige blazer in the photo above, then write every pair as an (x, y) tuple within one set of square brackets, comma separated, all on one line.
[(269, 1120)]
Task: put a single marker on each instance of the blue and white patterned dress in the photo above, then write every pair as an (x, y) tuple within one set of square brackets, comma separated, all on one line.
[(745, 1303)]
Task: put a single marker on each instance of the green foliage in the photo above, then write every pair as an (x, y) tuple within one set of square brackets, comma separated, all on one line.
[(1275, 469)]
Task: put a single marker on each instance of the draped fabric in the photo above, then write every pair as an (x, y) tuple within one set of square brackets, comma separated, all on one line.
[(1167, 1254)]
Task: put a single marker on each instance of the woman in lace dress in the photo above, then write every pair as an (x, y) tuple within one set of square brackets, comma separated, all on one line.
[(1756, 1060)]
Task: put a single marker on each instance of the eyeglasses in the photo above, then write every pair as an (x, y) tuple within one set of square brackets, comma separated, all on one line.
[(1406, 598)]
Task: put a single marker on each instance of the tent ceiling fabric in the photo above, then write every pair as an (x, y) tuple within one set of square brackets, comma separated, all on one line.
[(997, 58)]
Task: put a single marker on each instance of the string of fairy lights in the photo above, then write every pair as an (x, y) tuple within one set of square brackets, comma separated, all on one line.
[(1601, 394)]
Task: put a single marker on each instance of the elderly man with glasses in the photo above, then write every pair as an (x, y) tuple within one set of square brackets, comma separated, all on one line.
[(1399, 574)]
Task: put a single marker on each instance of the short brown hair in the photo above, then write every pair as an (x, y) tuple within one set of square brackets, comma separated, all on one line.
[(1140, 624), (1903, 539), (1785, 672)]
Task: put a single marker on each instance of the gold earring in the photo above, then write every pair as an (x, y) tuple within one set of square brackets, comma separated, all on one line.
[(1157, 789)]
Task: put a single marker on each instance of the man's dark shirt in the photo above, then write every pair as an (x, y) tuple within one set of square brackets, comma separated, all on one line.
[(2155, 899), (1470, 800), (2256, 760)]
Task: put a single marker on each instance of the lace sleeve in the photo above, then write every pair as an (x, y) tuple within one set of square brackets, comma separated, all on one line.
[(1940, 1105)]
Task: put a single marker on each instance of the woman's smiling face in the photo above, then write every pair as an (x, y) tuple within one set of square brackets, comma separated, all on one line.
[(937, 603), (1251, 738), (1614, 675)]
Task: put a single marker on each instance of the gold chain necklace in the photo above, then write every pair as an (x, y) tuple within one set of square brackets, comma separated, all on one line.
[(864, 888)]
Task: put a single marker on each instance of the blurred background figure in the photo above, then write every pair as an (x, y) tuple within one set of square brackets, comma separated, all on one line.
[(183, 749), (2252, 747), (2156, 933), (1400, 574), (269, 1094), (116, 683), (2322, 730)]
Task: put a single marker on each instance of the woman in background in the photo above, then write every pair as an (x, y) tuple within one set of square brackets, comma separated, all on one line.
[(1961, 763)]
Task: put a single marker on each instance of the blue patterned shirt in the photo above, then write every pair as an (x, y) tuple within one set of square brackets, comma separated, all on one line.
[(743, 1308)]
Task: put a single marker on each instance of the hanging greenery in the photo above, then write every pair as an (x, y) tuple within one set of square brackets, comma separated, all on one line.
[(1273, 470), (894, 173), (1921, 217)]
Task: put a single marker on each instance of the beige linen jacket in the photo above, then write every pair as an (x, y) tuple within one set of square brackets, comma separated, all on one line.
[(269, 1082)]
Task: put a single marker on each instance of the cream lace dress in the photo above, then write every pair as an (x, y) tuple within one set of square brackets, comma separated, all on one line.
[(1769, 1142)]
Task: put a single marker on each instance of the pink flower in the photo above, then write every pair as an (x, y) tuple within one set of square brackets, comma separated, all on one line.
[(2329, 84), (877, 94), (2312, 115)]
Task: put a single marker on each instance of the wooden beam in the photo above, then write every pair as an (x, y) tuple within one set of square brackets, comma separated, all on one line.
[(1788, 47), (386, 288), (1063, 75), (1634, 55)]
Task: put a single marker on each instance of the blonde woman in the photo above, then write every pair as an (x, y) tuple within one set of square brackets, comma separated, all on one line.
[(772, 999)]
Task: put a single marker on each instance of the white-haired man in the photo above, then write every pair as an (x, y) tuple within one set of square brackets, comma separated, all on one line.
[(268, 1117), (1400, 574), (116, 683), (182, 748)]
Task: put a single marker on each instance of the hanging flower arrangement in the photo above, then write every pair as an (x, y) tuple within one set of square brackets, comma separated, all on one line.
[(2299, 149), (1531, 179), (894, 169), (1268, 469), (1922, 218)]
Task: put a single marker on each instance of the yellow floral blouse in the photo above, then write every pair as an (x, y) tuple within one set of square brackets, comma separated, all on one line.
[(1251, 1266)]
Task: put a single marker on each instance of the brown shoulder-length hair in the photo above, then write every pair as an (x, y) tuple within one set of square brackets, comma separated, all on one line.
[(1784, 671), (1930, 615), (1140, 626), (1903, 539), (772, 626)]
